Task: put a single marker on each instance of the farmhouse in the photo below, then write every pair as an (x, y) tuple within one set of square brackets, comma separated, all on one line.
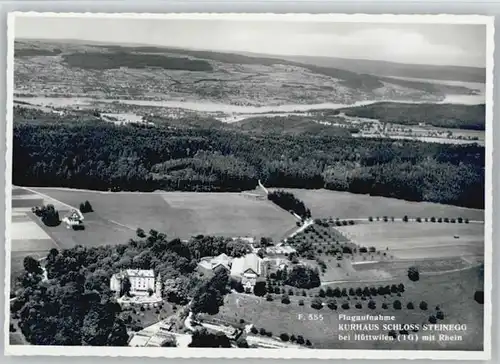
[(248, 268), (141, 281)]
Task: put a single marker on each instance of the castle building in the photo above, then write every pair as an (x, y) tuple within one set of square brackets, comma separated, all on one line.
[(141, 282)]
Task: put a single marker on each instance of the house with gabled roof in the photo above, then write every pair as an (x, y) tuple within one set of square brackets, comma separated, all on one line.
[(248, 268), (220, 261)]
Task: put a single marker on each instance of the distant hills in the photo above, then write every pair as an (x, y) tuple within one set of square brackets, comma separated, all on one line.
[(393, 69), (77, 68), (359, 66)]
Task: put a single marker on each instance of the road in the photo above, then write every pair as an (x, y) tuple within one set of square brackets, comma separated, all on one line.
[(263, 188), (304, 226)]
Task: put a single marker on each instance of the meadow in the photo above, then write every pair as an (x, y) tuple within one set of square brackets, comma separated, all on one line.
[(345, 205), (414, 240), (178, 214), (452, 292)]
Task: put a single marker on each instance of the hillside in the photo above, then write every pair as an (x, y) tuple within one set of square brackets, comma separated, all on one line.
[(153, 73)]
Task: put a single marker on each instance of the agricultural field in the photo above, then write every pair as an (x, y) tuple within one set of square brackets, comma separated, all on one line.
[(178, 214), (399, 268), (420, 240), (27, 237), (345, 205), (452, 292)]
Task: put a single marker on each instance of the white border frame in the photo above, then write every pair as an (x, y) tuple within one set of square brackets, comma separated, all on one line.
[(485, 354)]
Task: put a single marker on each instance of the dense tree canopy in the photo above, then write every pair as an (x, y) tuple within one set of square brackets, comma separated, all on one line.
[(440, 115), (48, 214), (66, 312), (210, 296), (204, 339), (102, 156), (302, 276), (289, 202), (76, 307)]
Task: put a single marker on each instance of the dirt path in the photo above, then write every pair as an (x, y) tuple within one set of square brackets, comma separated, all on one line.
[(50, 198)]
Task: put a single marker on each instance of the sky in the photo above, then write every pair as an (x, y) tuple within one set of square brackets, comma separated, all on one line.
[(435, 44)]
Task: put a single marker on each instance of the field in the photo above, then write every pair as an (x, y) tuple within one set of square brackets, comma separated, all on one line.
[(27, 236), (420, 240), (452, 292), (178, 214), (324, 203)]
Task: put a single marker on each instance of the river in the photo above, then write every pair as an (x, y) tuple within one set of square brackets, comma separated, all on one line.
[(212, 107)]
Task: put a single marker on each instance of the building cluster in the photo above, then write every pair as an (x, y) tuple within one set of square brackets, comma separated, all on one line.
[(246, 268)]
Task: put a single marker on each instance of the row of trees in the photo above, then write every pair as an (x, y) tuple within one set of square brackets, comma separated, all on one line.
[(318, 304), (405, 218), (299, 339), (289, 202), (107, 157), (447, 220), (362, 291)]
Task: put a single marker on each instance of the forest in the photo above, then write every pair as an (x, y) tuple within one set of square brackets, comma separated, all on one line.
[(103, 156), (470, 117), (115, 60)]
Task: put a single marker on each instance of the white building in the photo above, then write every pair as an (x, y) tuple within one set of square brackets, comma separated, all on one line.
[(246, 239), (141, 282), (280, 249), (220, 261), (248, 268)]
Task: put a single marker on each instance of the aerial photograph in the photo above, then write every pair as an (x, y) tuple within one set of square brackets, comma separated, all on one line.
[(241, 183)]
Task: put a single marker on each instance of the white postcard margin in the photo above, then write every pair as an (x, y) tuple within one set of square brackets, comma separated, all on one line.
[(485, 354)]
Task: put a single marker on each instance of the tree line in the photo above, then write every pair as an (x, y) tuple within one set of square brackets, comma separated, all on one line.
[(102, 156), (289, 202), (441, 115)]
